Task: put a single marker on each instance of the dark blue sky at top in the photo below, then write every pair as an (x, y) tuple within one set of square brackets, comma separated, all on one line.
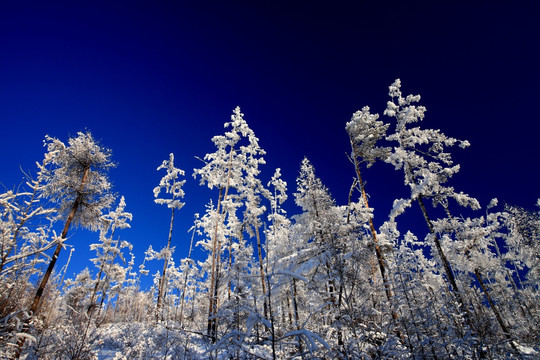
[(150, 78)]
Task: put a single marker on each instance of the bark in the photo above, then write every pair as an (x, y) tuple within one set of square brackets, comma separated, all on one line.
[(296, 315), (492, 305)]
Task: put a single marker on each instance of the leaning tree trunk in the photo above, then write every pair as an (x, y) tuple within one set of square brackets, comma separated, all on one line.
[(39, 292), (378, 252), (489, 299), (446, 264)]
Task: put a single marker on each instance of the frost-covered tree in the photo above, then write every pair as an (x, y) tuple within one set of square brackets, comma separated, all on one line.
[(278, 240), (227, 169), (251, 193), (421, 154), (17, 210), (25, 235), (187, 266), (321, 242), (365, 131), (109, 249), (519, 256), (74, 176), (173, 187), (524, 242)]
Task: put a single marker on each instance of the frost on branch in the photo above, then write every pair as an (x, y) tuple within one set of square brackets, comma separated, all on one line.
[(170, 184), (63, 179), (421, 153), (364, 132)]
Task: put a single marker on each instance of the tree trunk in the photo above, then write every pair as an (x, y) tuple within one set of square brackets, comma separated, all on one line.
[(39, 292), (478, 276), (446, 264), (186, 276), (212, 294), (45, 279), (162, 280), (492, 305), (211, 309), (261, 269), (98, 282), (380, 256)]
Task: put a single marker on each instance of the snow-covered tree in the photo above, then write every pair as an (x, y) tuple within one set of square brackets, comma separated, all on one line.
[(108, 249), (365, 131), (17, 210), (278, 241), (173, 187), (187, 266), (74, 176), (421, 154), (25, 236), (232, 170)]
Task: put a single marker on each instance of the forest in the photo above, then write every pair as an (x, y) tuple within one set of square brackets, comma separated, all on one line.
[(325, 283)]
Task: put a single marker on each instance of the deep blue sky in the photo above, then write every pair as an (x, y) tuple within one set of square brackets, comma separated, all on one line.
[(150, 78)]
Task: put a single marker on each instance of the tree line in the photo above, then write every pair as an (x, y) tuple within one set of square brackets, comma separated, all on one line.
[(324, 283)]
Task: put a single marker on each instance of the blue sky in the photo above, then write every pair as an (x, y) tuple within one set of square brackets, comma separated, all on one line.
[(150, 78)]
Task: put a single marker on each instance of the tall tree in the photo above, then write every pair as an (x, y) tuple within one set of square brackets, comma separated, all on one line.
[(421, 154), (250, 194), (172, 186), (321, 242), (365, 131), (74, 176), (224, 170), (187, 265)]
